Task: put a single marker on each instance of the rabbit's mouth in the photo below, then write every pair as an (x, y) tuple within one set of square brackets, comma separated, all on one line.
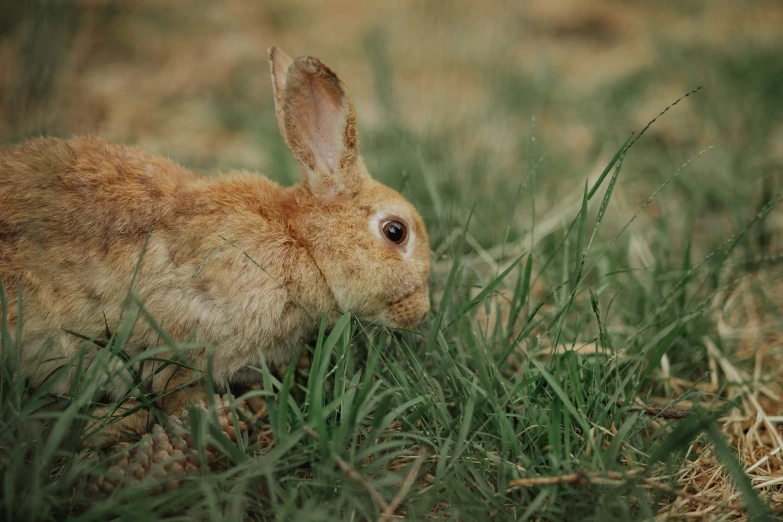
[(408, 311)]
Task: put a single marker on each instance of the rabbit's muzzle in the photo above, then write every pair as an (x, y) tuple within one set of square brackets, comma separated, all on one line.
[(410, 310)]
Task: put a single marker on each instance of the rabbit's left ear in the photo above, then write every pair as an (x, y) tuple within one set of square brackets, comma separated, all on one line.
[(318, 122)]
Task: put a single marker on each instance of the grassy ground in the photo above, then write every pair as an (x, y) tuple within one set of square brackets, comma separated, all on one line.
[(579, 277)]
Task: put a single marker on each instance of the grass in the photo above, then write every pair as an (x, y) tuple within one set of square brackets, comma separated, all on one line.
[(571, 290)]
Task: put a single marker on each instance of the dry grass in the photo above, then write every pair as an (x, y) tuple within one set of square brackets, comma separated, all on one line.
[(753, 377)]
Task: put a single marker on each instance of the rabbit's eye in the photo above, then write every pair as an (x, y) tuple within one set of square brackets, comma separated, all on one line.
[(395, 232)]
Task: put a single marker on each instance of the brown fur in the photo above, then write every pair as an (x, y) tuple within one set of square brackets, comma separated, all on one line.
[(238, 261)]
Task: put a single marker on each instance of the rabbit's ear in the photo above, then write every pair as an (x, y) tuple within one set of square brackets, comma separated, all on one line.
[(320, 128), (279, 62)]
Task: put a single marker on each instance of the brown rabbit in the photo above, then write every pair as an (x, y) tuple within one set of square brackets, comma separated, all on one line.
[(237, 261)]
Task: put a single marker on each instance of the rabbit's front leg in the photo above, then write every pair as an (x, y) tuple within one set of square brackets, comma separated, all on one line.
[(178, 387), (133, 421)]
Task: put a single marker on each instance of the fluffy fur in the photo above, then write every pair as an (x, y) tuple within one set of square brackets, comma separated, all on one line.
[(235, 261)]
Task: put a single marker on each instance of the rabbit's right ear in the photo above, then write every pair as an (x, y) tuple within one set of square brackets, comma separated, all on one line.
[(279, 62), (318, 122)]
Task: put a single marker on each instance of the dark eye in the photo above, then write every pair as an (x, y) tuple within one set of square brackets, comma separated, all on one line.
[(395, 231)]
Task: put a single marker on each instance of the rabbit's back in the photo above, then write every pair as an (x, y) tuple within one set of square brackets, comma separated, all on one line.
[(88, 189), (72, 209)]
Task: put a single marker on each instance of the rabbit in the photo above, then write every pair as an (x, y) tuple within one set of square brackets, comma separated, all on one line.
[(236, 262)]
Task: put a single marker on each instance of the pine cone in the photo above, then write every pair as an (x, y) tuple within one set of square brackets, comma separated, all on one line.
[(167, 454)]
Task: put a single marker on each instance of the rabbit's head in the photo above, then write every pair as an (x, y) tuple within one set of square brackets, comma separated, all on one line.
[(367, 240)]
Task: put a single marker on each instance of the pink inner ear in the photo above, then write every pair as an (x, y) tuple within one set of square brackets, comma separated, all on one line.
[(324, 124)]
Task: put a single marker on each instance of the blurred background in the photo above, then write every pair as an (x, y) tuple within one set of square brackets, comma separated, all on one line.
[(460, 103)]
